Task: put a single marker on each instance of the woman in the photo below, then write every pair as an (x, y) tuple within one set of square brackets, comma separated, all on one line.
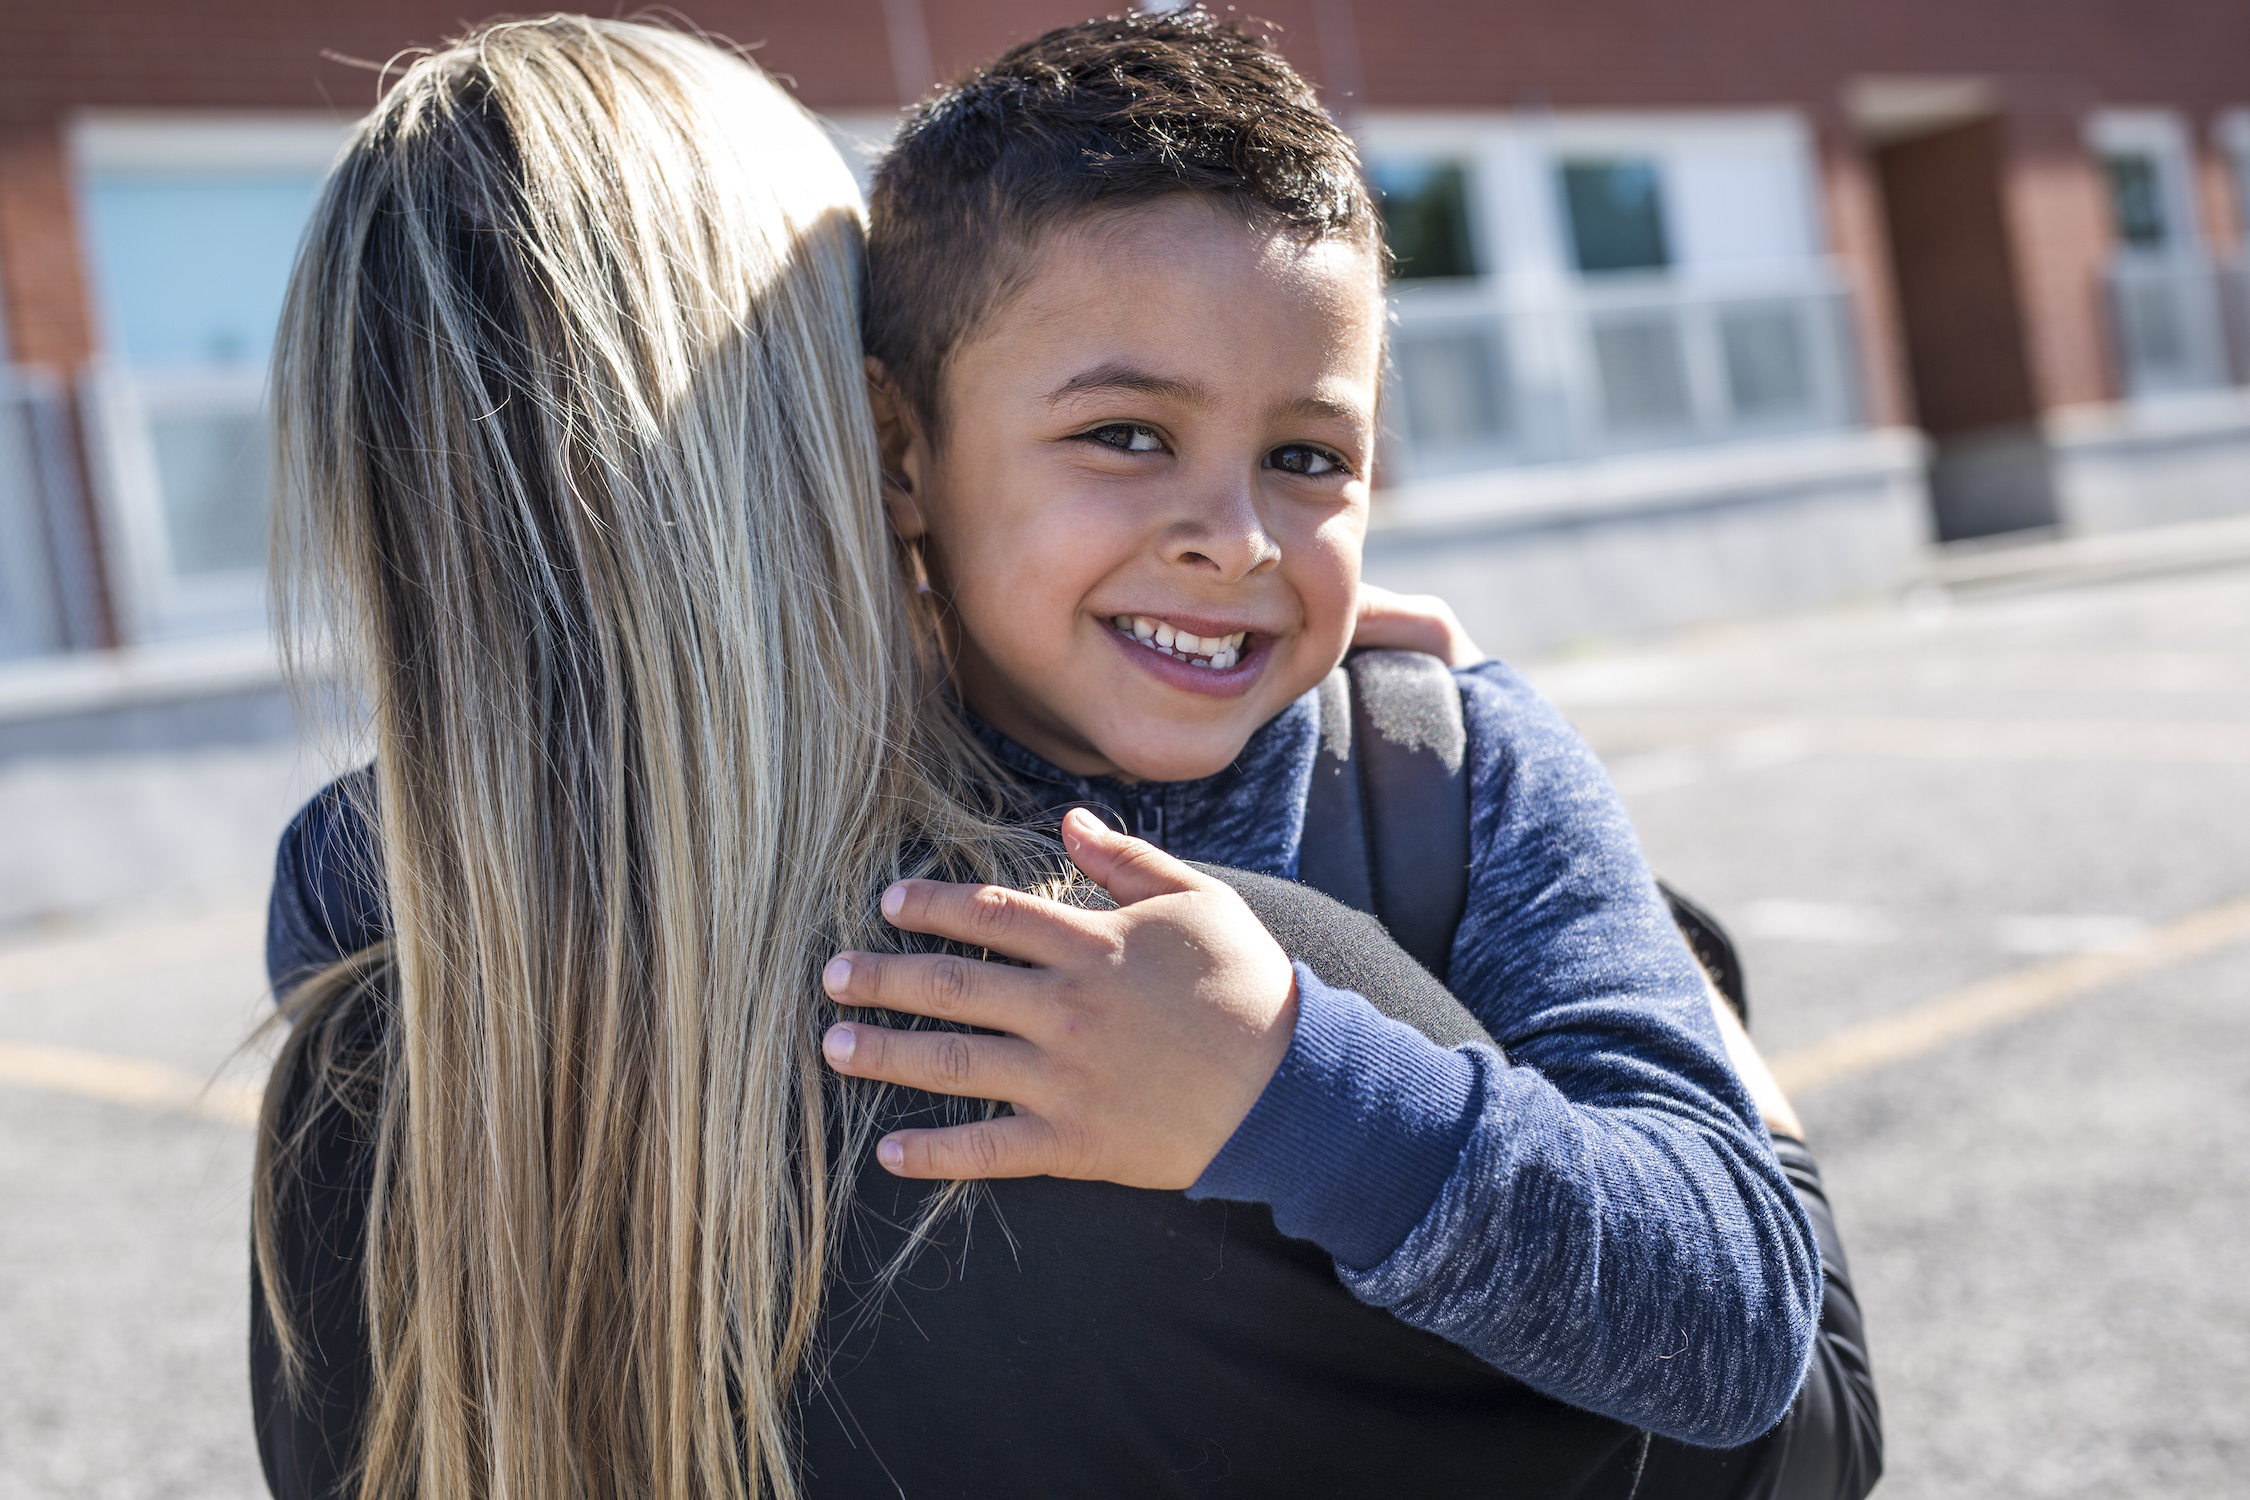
[(578, 472), (577, 467)]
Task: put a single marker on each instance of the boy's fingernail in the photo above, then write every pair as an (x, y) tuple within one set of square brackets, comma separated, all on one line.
[(839, 1044), (894, 900), (836, 975), (890, 1153)]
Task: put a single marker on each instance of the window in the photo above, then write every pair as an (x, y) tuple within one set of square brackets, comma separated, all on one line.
[(2166, 303), (1425, 208), (1641, 361), (191, 268), (1451, 377), (1768, 367), (1616, 211), (2136, 199), (191, 224)]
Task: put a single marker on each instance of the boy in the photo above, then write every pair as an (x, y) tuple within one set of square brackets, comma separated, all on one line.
[(1125, 322)]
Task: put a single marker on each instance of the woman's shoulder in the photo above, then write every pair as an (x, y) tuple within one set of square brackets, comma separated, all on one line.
[(327, 898)]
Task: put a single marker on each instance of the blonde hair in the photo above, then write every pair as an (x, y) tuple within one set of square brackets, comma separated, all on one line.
[(577, 471)]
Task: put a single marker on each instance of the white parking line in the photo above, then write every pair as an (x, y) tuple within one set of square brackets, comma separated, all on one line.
[(1995, 1002)]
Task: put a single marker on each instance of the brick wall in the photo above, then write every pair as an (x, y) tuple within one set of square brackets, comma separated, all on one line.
[(1476, 54), (41, 270), (1857, 218), (2060, 234), (2218, 193)]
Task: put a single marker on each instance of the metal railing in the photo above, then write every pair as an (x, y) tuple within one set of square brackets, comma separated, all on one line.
[(2169, 324), (49, 599), (1481, 381), (180, 461)]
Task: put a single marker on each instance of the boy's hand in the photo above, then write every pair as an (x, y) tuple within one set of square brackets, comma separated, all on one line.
[(1136, 1043), (1413, 622)]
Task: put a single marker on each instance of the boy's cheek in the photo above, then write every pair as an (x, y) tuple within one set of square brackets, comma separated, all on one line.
[(1329, 593)]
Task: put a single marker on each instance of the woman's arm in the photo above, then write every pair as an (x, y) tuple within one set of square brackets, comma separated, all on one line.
[(1830, 1446), (308, 1420)]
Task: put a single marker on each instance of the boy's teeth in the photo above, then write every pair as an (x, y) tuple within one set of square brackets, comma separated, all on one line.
[(1215, 652)]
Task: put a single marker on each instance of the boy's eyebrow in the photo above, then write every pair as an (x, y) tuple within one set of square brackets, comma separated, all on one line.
[(1129, 378), (1118, 376), (1319, 408)]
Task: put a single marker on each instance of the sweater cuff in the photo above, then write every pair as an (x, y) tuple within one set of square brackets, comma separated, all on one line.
[(1355, 1134)]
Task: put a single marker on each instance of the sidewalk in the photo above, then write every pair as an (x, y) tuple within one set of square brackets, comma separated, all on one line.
[(151, 781)]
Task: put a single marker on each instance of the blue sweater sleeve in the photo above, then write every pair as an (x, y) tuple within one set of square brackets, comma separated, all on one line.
[(1355, 1191), (1602, 1218)]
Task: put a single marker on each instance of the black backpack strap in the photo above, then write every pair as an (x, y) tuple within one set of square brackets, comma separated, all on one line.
[(1333, 858), (1390, 835), (1712, 948)]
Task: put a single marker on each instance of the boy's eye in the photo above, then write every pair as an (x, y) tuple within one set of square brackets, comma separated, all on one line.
[(1304, 458), (1128, 437)]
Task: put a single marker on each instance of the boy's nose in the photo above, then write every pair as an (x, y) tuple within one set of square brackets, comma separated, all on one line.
[(1226, 537)]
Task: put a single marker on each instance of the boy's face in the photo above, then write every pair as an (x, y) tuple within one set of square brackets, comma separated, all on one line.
[(1165, 432)]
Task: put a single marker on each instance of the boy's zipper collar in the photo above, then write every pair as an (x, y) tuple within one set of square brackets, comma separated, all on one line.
[(1039, 773), (1140, 808)]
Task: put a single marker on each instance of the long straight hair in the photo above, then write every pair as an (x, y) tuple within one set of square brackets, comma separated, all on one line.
[(577, 472)]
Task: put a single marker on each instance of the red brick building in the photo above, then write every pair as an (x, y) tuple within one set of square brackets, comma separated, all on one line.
[(1680, 283)]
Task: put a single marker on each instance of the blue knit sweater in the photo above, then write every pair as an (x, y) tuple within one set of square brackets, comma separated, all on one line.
[(1600, 1216)]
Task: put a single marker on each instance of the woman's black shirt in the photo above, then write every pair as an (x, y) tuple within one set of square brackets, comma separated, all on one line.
[(1066, 1338)]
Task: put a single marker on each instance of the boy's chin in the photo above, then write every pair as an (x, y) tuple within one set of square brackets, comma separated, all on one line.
[(1177, 761)]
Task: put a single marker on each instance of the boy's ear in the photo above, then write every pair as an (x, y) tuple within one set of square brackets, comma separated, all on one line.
[(905, 454)]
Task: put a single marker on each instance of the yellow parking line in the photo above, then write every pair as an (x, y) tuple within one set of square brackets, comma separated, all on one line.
[(2008, 997), (125, 1080)]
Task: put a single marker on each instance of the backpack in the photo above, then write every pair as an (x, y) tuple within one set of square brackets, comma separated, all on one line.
[(1387, 819), (1387, 832)]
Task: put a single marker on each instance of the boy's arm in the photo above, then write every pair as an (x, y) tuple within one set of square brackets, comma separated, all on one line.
[(1613, 1227)]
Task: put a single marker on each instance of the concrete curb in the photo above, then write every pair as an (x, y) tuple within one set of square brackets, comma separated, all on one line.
[(101, 681), (2048, 561)]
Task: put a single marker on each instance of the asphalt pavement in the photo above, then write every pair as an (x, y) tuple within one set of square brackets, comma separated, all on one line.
[(1902, 812), (1987, 855)]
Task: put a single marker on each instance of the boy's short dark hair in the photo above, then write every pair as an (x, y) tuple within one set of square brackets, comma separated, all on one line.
[(1086, 119)]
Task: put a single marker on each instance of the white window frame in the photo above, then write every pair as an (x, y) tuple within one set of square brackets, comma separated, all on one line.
[(2163, 135), (2177, 285), (152, 601)]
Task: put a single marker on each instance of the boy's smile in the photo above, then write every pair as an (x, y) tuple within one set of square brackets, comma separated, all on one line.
[(1146, 506)]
